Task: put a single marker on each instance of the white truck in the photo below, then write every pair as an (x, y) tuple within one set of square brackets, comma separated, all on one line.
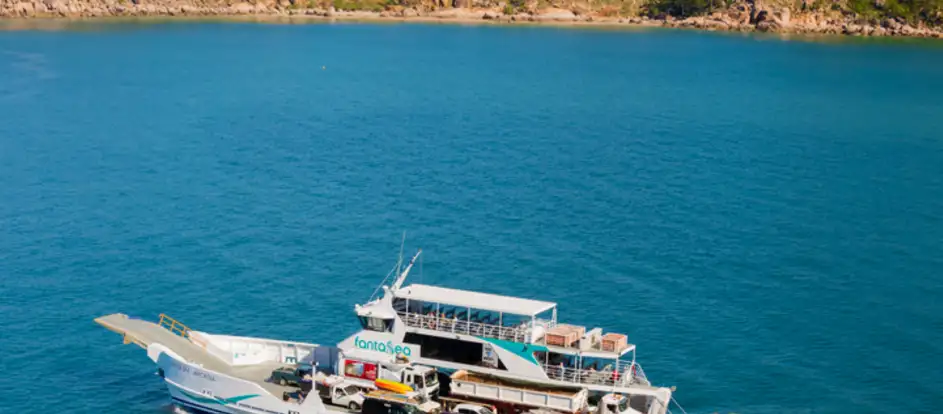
[(337, 391), (363, 367)]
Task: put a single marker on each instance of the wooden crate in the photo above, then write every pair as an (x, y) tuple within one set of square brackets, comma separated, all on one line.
[(564, 335), (613, 342)]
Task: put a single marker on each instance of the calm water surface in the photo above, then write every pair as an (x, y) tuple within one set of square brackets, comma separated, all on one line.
[(763, 218)]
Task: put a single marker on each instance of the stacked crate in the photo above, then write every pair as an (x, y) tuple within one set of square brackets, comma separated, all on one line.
[(613, 342), (565, 335)]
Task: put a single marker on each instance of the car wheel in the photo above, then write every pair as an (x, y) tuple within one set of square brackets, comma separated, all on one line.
[(282, 382), (354, 406)]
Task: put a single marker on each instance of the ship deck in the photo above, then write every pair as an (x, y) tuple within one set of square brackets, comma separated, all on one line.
[(144, 333)]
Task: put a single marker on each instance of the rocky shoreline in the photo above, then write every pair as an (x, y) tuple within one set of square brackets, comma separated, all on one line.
[(739, 17)]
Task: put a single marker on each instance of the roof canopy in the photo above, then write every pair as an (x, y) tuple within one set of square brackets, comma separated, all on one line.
[(474, 300)]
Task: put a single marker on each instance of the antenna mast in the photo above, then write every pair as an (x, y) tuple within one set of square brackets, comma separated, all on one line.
[(399, 261), (397, 269), (402, 276)]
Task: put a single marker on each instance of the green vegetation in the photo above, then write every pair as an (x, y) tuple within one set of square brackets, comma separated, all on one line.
[(360, 5), (686, 8), (913, 11), (514, 6)]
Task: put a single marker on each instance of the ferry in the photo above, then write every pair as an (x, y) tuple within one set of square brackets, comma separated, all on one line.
[(504, 337), (497, 351)]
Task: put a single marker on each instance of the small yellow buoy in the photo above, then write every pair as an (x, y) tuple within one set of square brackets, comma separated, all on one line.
[(323, 67)]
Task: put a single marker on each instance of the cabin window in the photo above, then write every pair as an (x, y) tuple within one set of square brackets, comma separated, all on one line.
[(376, 324)]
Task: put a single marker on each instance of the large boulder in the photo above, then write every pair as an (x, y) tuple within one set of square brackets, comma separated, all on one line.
[(24, 9), (713, 24), (242, 8), (557, 15), (783, 17), (760, 16), (57, 7), (767, 26)]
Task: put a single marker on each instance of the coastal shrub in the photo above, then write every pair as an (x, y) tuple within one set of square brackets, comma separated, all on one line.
[(680, 8), (514, 6), (630, 8), (360, 5), (864, 8)]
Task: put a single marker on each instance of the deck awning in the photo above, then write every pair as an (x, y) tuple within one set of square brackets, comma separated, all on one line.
[(474, 300)]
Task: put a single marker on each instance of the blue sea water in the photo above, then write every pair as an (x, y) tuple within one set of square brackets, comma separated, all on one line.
[(764, 218)]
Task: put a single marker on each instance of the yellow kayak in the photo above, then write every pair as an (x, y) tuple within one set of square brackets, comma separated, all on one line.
[(393, 386)]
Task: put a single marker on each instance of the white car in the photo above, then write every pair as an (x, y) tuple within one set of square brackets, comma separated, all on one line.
[(340, 393)]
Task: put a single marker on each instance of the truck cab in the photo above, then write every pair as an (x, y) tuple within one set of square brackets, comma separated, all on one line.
[(363, 367), (422, 379), (623, 404)]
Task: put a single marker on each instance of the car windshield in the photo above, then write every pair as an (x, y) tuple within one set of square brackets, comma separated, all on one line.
[(430, 379), (351, 389)]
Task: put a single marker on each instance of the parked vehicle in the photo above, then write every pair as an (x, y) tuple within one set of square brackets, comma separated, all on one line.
[(385, 402), (364, 368), (291, 375), (457, 406), (336, 391)]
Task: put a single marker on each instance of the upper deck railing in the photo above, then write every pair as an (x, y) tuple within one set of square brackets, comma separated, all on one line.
[(624, 374), (518, 333)]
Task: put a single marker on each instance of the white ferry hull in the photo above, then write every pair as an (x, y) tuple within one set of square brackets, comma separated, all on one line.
[(196, 388)]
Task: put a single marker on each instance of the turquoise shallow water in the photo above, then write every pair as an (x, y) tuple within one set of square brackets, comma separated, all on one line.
[(764, 218)]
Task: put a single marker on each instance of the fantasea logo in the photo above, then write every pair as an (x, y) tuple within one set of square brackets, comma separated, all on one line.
[(387, 347)]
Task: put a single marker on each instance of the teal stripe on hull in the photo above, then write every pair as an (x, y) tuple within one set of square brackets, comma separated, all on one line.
[(203, 399), (525, 351)]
